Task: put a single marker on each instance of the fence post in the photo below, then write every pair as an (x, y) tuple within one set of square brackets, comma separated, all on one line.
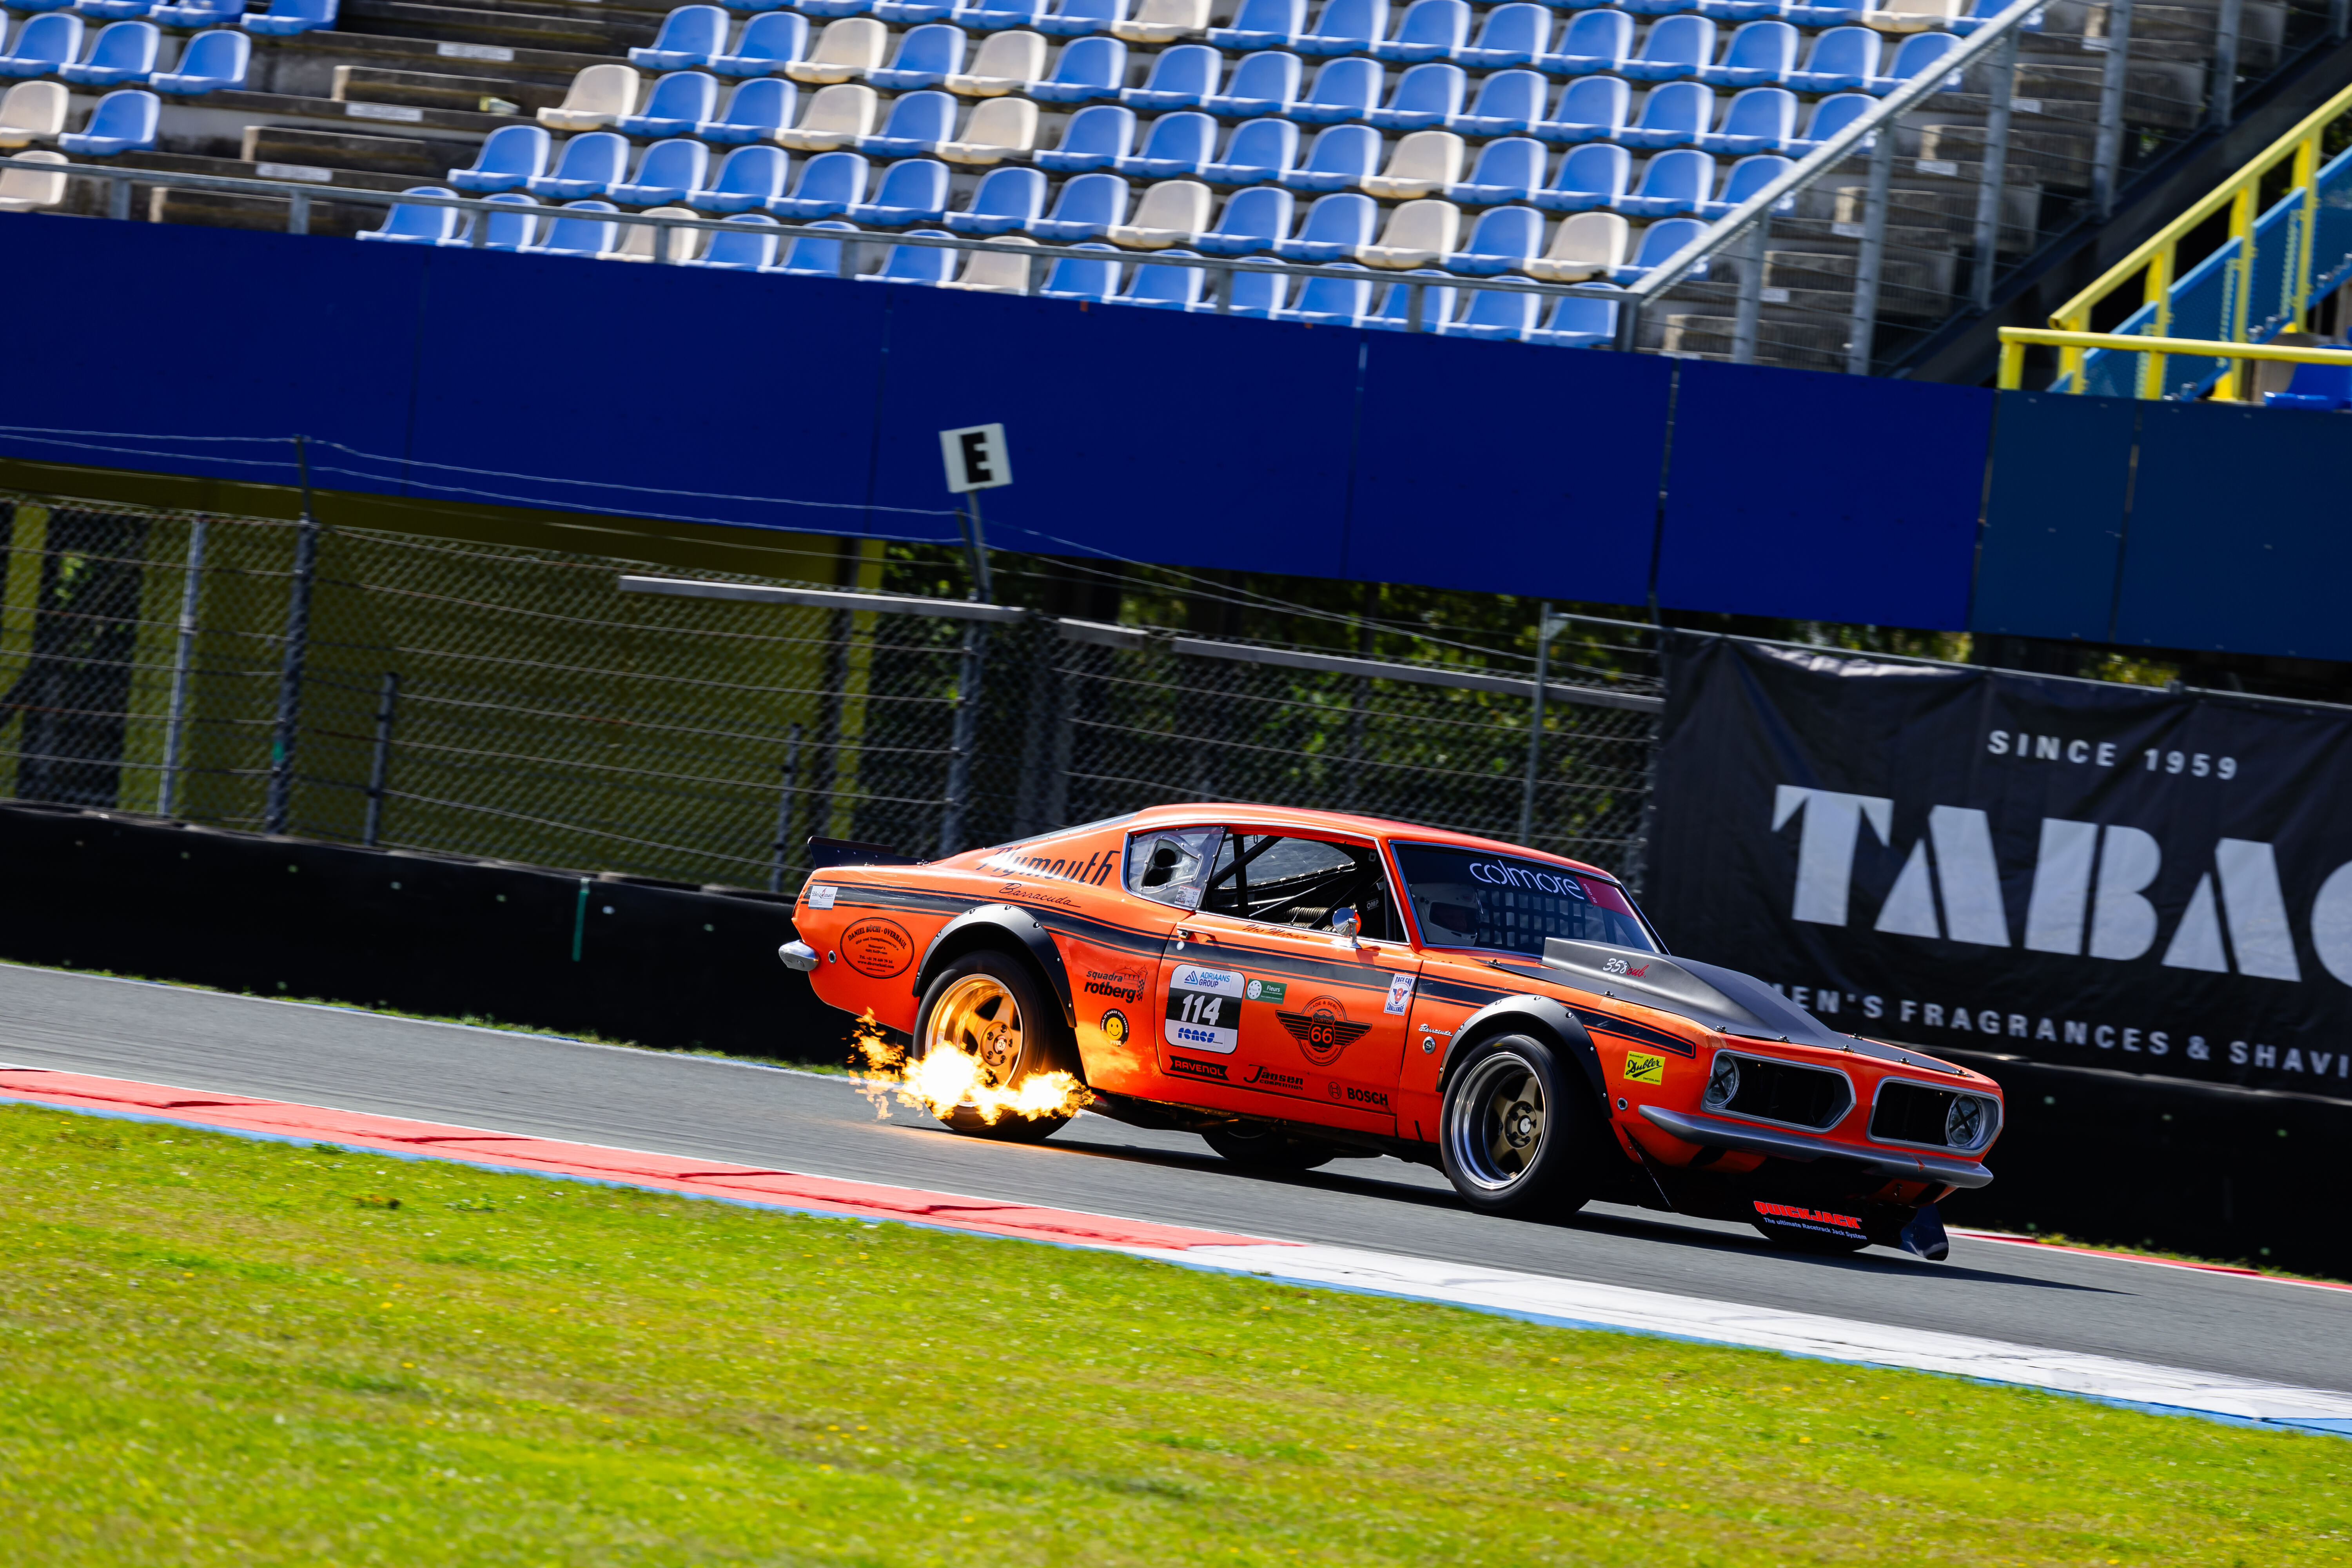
[(182, 662), (380, 764), (1864, 327), (2226, 31), (2107, 158), (297, 212), (1745, 318), (117, 199), (1547, 628), (1996, 172), (784, 808), (967, 733), (1225, 275), (1066, 724), (1028, 808), (298, 640)]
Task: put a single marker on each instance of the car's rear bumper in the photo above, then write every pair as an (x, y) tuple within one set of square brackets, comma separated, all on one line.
[(1898, 1164)]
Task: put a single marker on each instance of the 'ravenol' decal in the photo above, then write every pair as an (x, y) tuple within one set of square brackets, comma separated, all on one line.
[(1204, 1009)]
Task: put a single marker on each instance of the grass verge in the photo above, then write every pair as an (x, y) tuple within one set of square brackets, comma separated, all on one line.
[(215, 1350)]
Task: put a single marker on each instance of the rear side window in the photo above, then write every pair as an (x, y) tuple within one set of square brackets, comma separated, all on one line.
[(1299, 882), (1465, 899), (1166, 864)]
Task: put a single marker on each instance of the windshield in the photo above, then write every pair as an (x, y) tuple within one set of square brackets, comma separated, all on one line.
[(1462, 897)]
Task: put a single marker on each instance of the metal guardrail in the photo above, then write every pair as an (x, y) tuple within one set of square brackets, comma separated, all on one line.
[(2014, 341)]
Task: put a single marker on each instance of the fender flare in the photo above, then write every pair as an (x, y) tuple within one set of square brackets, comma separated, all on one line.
[(1540, 1014), (975, 927)]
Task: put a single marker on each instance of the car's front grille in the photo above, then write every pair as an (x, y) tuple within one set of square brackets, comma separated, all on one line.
[(1779, 1092)]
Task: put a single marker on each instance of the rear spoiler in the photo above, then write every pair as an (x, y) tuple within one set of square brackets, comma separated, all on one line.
[(827, 853)]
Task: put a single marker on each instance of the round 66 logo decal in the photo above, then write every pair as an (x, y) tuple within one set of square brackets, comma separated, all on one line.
[(877, 949), (1323, 1030)]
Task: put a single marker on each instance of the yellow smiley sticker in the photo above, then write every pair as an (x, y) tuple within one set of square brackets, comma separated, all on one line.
[(1641, 1068)]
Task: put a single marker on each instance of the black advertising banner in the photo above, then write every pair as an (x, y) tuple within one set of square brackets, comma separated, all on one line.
[(2067, 870)]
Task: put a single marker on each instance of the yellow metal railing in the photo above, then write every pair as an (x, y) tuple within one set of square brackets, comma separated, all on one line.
[(2157, 260), (2014, 340)]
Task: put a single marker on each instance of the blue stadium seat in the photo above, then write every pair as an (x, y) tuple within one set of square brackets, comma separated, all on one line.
[(1344, 90), (987, 16), (1264, 83), (689, 37), (1262, 25), (122, 122), (103, 10), (1663, 7), (508, 158), (1673, 50), (1077, 277), (408, 223), (1251, 221), (830, 10), (2326, 388), (591, 236), (1004, 202), (1180, 78), (911, 12), (744, 250), (769, 42), (1337, 226), (1095, 138), (213, 62), (1590, 177), (1395, 313), (1593, 42), (1430, 30), (1257, 151), (746, 182), (1078, 18), (1743, 10), (1829, 16), (194, 14), (288, 17), (1759, 54), (1675, 115), (1495, 316), (1748, 176), (590, 165), (754, 6), (123, 53), (809, 257), (755, 111), (1672, 183), (1510, 169), (1345, 27), (918, 120), (1513, 34), (1831, 115), (667, 172), (1579, 321), (927, 264), (1922, 54), (1089, 68), (1660, 241), (1256, 294), (43, 44), (1590, 109), (1424, 98), (1337, 159), (913, 190), (1841, 60), (506, 231), (1163, 288), (1085, 206), (1503, 240), (1332, 302), (830, 184), (1760, 120), (1177, 144), (1509, 103), (927, 57), (678, 102)]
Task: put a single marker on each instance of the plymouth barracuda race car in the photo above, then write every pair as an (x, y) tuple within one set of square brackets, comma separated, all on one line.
[(1296, 986)]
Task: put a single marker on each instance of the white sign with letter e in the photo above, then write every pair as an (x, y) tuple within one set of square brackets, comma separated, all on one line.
[(977, 457)]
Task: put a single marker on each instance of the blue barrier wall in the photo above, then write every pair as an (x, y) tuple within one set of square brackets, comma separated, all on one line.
[(1188, 440)]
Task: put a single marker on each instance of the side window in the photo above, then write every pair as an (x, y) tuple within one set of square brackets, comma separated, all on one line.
[(1165, 865), (1300, 881)]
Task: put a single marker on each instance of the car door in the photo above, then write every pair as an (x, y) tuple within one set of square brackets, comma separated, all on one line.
[(1264, 1008)]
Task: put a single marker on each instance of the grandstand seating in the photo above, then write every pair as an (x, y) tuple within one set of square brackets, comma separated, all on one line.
[(1450, 137)]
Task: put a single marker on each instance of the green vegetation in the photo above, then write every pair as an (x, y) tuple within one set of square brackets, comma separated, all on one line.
[(220, 1350)]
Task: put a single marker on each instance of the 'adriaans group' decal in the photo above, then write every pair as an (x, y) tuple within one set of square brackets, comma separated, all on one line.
[(1204, 1009)]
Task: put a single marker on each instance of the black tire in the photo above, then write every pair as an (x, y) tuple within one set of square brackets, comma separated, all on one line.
[(1259, 1147), (1519, 1134), (969, 999), (1812, 1241)]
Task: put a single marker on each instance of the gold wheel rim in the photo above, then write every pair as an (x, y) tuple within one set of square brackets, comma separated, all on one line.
[(979, 1016)]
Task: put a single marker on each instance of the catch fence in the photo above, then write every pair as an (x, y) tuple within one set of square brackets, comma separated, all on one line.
[(493, 701)]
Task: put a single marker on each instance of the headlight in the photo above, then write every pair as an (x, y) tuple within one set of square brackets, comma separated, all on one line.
[(1722, 1083), (1965, 1122)]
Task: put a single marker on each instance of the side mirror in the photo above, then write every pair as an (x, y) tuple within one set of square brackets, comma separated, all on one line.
[(1346, 922)]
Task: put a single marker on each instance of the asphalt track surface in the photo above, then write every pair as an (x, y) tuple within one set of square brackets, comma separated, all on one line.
[(707, 1109)]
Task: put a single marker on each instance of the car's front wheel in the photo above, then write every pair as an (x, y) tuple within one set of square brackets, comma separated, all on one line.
[(1516, 1133), (988, 1006)]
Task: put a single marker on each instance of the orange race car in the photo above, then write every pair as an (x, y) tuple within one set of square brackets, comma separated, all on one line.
[(1300, 986)]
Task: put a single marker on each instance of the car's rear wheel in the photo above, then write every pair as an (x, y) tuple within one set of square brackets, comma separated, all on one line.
[(1264, 1148), (1518, 1135), (989, 1007)]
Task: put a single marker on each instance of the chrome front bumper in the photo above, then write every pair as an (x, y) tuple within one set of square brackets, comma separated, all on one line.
[(1901, 1166)]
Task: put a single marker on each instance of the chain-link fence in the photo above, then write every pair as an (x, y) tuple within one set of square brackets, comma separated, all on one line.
[(494, 701)]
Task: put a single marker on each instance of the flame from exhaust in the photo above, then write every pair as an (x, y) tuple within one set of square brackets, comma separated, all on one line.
[(948, 1080)]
